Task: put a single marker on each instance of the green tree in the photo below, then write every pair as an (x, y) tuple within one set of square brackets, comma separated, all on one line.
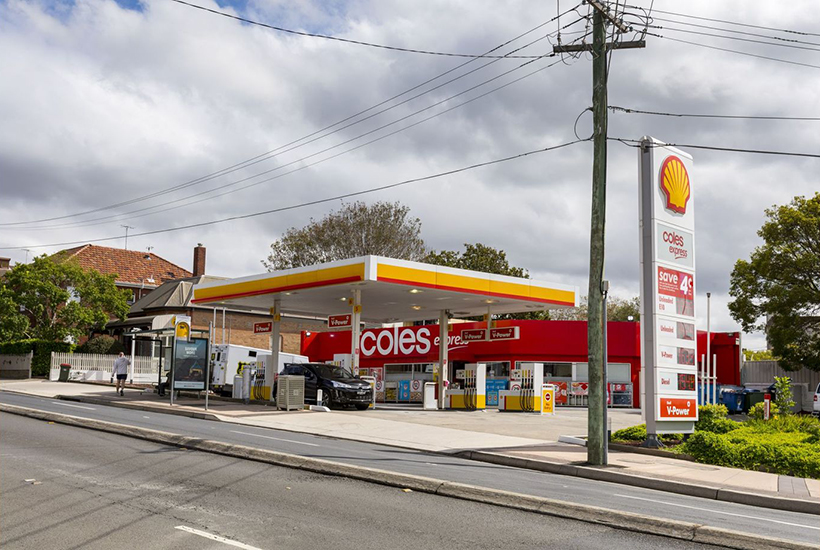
[(617, 309), (357, 229), (778, 289), (57, 300), (477, 257), (783, 394)]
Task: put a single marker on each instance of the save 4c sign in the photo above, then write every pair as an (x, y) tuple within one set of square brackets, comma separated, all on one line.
[(668, 344)]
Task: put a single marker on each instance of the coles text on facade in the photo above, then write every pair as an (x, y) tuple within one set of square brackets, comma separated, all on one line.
[(668, 336)]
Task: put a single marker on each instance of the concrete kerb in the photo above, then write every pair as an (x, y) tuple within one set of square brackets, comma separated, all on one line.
[(689, 489), (598, 474), (590, 514)]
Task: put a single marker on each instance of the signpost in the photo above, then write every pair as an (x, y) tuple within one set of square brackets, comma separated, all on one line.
[(340, 321), (190, 364), (667, 219), (547, 399)]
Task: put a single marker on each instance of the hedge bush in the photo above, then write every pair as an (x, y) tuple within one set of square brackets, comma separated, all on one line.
[(103, 344), (638, 433), (41, 361), (788, 453), (714, 419)]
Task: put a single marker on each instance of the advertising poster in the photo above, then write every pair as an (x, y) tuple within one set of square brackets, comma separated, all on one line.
[(190, 364)]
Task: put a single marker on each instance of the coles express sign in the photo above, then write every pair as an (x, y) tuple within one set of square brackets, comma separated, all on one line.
[(398, 341)]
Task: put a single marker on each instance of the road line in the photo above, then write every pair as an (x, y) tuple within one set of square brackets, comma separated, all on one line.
[(701, 509), (217, 538), (277, 438), (75, 406)]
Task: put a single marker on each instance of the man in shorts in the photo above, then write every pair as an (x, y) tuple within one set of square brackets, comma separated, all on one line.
[(121, 372)]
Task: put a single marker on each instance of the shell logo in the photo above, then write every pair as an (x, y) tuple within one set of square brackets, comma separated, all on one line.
[(674, 182)]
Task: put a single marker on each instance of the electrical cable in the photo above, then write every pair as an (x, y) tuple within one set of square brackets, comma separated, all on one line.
[(734, 23), (736, 38), (637, 143), (734, 31), (336, 38), (809, 65), (265, 156), (692, 115), (200, 198), (313, 202)]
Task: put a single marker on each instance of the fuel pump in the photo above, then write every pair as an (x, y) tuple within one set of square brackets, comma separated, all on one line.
[(525, 389), (472, 393)]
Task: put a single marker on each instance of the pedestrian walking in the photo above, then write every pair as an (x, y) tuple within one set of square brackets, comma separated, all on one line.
[(121, 372)]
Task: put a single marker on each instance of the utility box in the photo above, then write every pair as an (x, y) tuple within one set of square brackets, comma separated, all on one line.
[(290, 392)]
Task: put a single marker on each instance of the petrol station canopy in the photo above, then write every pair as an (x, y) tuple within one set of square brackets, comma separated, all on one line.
[(391, 291)]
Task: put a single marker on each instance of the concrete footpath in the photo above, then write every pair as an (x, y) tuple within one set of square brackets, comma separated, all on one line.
[(502, 439)]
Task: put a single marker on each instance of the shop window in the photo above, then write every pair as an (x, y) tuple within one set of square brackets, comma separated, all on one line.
[(498, 369), (615, 372), (552, 370)]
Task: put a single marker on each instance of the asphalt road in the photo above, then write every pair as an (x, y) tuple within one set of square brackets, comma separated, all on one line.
[(749, 519), (65, 488)]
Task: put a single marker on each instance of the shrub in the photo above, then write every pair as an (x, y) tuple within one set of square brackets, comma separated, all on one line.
[(760, 444), (102, 344), (41, 361), (713, 418), (638, 433), (783, 394), (756, 412)]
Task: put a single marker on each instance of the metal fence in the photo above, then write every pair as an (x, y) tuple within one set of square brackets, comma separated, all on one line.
[(760, 374), (94, 366)]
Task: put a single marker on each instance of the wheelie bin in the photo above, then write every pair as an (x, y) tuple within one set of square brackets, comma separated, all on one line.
[(733, 399), (65, 371)]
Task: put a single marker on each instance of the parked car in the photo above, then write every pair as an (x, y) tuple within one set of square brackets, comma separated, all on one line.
[(816, 409), (338, 385)]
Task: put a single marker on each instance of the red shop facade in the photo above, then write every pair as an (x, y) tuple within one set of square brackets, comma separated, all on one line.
[(403, 358)]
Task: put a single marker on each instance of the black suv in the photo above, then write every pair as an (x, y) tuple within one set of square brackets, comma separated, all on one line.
[(338, 386)]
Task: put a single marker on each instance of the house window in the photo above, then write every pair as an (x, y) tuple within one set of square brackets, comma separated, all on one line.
[(132, 298)]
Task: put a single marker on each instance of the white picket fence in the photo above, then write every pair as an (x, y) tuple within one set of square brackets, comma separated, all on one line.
[(94, 366)]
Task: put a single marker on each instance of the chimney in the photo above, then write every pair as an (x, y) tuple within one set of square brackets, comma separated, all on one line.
[(199, 260)]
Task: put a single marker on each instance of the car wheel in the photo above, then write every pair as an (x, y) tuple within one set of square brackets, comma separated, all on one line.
[(362, 407), (327, 401)]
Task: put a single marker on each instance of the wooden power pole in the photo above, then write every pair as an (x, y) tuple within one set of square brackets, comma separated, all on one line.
[(597, 430)]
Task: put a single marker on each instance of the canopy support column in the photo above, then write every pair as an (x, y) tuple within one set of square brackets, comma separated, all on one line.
[(272, 368), (443, 344), (355, 331)]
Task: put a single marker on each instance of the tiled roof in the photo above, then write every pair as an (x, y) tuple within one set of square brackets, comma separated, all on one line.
[(130, 266)]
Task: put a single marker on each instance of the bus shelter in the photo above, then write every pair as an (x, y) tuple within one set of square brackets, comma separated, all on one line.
[(379, 290)]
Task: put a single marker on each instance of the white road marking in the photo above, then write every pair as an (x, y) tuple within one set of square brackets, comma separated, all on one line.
[(75, 406), (145, 416), (276, 438), (701, 509), (217, 538)]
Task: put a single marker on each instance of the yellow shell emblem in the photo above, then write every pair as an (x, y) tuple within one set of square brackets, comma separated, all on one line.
[(675, 184)]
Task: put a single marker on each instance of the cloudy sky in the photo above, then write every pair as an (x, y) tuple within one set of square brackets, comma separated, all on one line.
[(106, 102)]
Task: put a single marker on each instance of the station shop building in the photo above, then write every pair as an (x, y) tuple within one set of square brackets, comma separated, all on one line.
[(403, 358)]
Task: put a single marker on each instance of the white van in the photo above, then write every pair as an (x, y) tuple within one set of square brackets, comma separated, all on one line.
[(816, 409)]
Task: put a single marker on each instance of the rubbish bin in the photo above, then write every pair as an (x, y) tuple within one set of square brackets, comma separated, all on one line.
[(733, 399), (751, 398), (65, 369)]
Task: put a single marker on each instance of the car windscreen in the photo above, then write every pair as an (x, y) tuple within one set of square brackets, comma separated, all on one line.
[(332, 372)]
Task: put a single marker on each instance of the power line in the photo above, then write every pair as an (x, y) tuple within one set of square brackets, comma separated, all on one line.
[(692, 115), (201, 199), (758, 56), (637, 142), (311, 203), (735, 31), (737, 38), (790, 31), (338, 39), (279, 150)]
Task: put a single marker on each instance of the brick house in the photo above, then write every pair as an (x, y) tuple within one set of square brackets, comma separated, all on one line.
[(138, 272), (173, 297)]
